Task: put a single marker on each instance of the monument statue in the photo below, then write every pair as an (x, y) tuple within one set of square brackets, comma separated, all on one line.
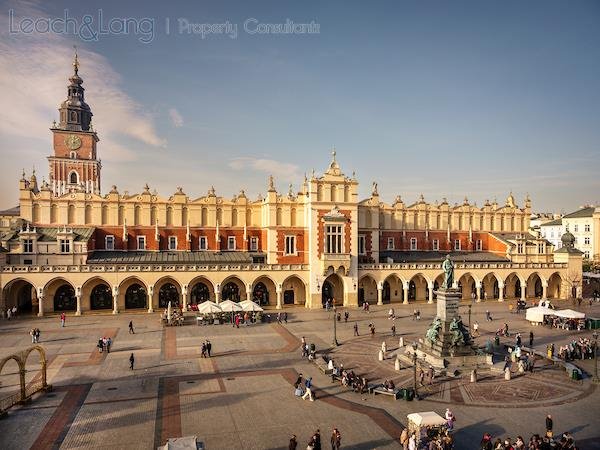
[(448, 267), (460, 335), (433, 332)]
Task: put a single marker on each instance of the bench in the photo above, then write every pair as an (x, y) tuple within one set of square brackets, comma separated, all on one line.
[(323, 367), (381, 390)]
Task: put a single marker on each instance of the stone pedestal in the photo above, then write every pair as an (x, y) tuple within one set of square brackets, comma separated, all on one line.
[(441, 352)]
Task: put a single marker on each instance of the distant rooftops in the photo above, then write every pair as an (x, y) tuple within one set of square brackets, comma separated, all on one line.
[(438, 257), (583, 212), (15, 211), (175, 257)]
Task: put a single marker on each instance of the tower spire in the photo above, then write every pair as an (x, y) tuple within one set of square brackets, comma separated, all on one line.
[(75, 113), (75, 61)]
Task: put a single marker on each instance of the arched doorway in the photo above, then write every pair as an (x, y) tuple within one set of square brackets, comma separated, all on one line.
[(490, 288), (386, 294), (168, 293), (22, 294), (554, 286), (332, 289), (417, 288), (294, 292), (467, 286), (260, 294), (64, 298), (136, 297), (231, 291), (367, 290), (513, 286), (101, 297), (199, 293), (395, 289)]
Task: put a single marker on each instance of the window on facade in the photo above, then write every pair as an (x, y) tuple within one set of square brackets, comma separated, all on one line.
[(478, 245), (109, 242), (65, 246), (290, 245), (333, 239), (172, 242), (202, 243), (254, 244), (552, 234), (587, 228), (361, 245), (586, 241), (586, 255), (456, 244), (413, 243), (435, 245), (141, 242), (390, 243), (519, 248), (73, 178), (575, 228), (575, 240), (27, 245), (540, 248), (230, 242)]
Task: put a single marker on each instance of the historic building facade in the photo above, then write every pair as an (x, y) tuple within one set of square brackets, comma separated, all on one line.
[(74, 248)]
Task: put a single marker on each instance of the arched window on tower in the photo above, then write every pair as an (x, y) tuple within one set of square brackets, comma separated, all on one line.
[(73, 178)]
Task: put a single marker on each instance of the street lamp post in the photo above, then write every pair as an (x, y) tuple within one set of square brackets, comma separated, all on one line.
[(469, 318), (595, 379), (414, 346), (334, 342)]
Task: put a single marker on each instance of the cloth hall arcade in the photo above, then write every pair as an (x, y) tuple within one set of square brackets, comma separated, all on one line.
[(70, 247)]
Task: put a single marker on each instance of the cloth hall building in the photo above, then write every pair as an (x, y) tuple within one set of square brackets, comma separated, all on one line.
[(69, 247)]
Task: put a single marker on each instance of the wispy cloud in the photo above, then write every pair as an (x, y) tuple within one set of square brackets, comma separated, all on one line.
[(270, 166), (176, 118)]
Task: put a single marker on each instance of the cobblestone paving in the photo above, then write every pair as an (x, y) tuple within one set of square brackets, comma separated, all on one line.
[(242, 397)]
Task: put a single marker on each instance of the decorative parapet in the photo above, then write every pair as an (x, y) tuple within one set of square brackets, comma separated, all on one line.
[(410, 266), (155, 268)]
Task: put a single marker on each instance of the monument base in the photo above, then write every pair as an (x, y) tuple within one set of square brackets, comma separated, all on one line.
[(441, 351)]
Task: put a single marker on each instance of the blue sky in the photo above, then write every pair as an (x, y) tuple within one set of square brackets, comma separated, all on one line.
[(448, 99)]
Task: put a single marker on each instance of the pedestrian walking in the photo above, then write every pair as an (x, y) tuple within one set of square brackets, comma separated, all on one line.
[(531, 339), (355, 328), (285, 317), (278, 317), (208, 347), (549, 426), (394, 330), (32, 334), (346, 316), (317, 440), (336, 439), (415, 314), (488, 316), (203, 350), (475, 329), (63, 318), (450, 419), (309, 394), (404, 439), (108, 344), (418, 314), (131, 327), (293, 443), (37, 333), (131, 361)]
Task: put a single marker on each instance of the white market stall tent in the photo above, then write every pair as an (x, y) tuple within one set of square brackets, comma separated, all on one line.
[(426, 419), (569, 314), (537, 313)]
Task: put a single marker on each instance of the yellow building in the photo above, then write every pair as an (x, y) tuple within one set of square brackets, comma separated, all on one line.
[(74, 248)]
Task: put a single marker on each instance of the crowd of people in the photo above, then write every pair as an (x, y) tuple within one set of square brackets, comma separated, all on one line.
[(583, 348), (536, 442), (104, 344), (314, 443), (35, 335)]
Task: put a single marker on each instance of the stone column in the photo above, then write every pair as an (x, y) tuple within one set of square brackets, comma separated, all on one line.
[(78, 297), (380, 293), (430, 287), (500, 292), (115, 295), (40, 295), (523, 290), (217, 293), (544, 291), (478, 287), (278, 291), (185, 295), (249, 291), (405, 294), (150, 295)]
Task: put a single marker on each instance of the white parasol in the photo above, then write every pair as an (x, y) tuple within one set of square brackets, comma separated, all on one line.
[(249, 305), (229, 306), (209, 307)]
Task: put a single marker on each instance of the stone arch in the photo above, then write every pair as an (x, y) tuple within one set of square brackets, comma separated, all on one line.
[(490, 286), (22, 294), (166, 290), (197, 293), (333, 289), (294, 291), (87, 289), (396, 288), (467, 283), (133, 294), (367, 289), (514, 286), (264, 291), (232, 288), (417, 288), (437, 282), (60, 299), (554, 286), (534, 286)]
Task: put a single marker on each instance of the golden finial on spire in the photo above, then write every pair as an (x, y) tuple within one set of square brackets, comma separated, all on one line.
[(75, 61)]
